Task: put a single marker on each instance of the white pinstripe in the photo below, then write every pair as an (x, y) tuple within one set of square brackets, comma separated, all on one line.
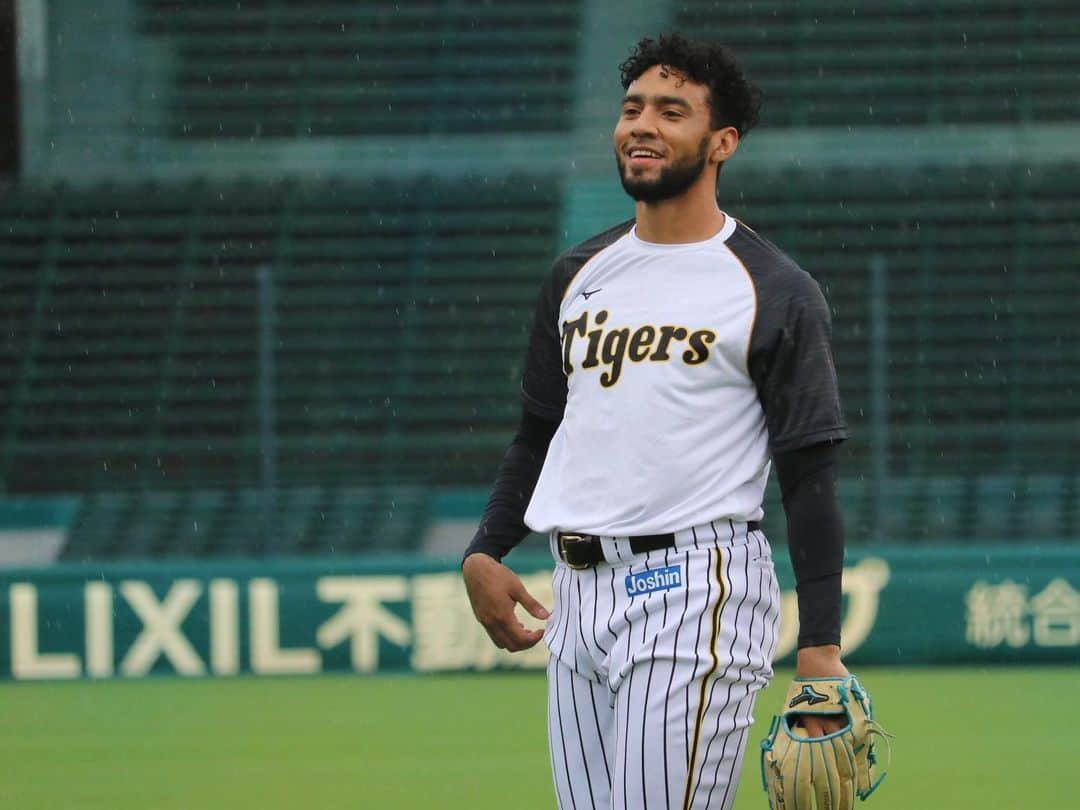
[(626, 673)]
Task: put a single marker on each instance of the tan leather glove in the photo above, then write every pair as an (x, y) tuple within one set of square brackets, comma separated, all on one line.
[(798, 770)]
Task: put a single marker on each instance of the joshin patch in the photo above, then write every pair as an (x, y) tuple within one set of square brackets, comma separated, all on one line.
[(654, 579)]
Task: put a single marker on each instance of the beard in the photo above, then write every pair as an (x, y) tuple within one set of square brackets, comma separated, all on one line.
[(672, 182)]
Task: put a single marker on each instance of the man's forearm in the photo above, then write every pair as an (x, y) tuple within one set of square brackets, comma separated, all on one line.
[(815, 540)]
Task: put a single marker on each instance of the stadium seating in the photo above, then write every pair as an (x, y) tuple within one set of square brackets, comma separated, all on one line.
[(285, 70), (909, 62), (980, 289), (176, 524), (344, 519), (1009, 509), (131, 357), (130, 316)]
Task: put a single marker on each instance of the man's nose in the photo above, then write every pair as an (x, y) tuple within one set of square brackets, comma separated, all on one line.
[(644, 124)]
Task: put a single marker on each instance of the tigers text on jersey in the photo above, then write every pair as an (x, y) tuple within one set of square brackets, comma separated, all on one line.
[(675, 371)]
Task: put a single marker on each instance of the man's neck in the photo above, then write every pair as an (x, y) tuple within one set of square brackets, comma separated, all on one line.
[(690, 217)]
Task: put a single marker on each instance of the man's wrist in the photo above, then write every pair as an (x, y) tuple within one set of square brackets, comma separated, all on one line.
[(820, 661), (477, 551), (484, 543)]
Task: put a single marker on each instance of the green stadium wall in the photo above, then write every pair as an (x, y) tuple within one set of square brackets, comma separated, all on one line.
[(390, 614)]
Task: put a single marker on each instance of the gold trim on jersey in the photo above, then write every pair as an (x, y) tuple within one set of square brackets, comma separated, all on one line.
[(714, 638), (753, 291)]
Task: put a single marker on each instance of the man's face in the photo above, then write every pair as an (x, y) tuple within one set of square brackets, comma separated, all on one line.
[(662, 136)]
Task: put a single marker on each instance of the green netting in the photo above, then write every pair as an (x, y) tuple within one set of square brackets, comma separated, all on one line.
[(130, 355), (401, 316), (881, 64), (982, 355), (279, 69)]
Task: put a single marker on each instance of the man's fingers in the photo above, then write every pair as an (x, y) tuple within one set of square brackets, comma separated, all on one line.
[(821, 725), (526, 600), (494, 592), (524, 639), (512, 635)]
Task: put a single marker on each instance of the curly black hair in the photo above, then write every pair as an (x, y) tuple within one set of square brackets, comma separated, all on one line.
[(733, 99)]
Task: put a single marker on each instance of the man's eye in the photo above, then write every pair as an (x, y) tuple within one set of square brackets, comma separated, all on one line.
[(629, 112), (672, 114)]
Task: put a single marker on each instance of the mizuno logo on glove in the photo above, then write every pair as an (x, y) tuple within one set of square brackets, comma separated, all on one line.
[(807, 696)]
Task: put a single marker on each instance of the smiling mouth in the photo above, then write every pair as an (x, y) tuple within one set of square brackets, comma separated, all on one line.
[(643, 154)]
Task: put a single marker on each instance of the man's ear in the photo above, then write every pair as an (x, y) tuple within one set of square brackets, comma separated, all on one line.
[(724, 143)]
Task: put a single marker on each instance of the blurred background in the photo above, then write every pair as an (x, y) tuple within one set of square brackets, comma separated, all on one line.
[(267, 270), (268, 267)]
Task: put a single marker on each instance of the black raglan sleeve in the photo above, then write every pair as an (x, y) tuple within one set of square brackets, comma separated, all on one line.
[(543, 382), (543, 399), (791, 363)]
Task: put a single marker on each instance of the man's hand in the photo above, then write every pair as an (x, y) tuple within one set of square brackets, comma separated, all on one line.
[(820, 662), (800, 769), (494, 591)]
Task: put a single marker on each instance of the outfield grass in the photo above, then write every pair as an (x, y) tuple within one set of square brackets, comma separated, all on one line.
[(1001, 738)]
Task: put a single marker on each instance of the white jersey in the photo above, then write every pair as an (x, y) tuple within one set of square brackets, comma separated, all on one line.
[(675, 371)]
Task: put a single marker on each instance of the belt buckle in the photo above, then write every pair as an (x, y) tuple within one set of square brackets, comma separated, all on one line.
[(562, 551)]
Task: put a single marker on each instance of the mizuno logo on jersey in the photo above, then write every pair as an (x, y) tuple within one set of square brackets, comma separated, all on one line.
[(613, 346), (656, 579)]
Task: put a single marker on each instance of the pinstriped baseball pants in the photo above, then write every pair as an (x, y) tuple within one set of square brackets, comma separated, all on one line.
[(651, 689)]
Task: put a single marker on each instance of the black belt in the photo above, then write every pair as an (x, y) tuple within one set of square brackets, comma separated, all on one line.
[(580, 551)]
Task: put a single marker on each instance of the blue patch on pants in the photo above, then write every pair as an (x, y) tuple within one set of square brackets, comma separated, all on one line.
[(654, 579)]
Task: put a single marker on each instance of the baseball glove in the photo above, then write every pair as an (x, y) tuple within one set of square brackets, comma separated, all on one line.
[(797, 770)]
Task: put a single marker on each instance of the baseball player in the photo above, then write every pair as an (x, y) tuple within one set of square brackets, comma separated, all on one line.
[(672, 360)]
